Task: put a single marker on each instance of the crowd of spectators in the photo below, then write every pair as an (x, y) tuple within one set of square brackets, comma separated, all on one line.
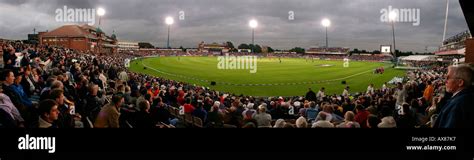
[(55, 87)]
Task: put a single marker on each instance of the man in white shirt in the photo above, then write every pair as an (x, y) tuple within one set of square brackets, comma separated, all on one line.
[(384, 87), (345, 93), (370, 89), (321, 94)]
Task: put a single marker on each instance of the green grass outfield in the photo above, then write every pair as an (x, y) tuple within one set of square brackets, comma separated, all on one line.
[(291, 77)]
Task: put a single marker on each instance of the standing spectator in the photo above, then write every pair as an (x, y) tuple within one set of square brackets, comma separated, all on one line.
[(384, 87), (458, 111), (428, 93), (123, 76), (401, 94), (310, 95), (370, 89), (321, 94), (345, 93)]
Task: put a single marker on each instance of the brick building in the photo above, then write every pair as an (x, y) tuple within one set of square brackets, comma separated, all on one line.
[(80, 37)]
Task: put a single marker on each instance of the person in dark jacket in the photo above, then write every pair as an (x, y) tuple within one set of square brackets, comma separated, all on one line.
[(144, 119), (406, 118), (160, 113), (310, 95), (458, 111), (8, 79)]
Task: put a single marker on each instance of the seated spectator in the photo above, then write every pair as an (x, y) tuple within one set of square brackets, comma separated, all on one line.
[(301, 123), (49, 113), (92, 103), (372, 121), (323, 121), (249, 125), (387, 121), (349, 121), (249, 111), (143, 117), (361, 116), (311, 112), (215, 116), (406, 118), (200, 112), (289, 125), (18, 88), (66, 115), (9, 115), (8, 79), (279, 123), (109, 114), (264, 119), (160, 113), (188, 107), (54, 83), (234, 117), (27, 82)]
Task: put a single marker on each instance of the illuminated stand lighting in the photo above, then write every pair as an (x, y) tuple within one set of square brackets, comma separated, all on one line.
[(100, 13), (392, 16), (326, 23), (169, 21), (253, 24)]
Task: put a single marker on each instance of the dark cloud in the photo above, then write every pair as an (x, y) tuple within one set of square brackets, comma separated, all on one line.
[(355, 23)]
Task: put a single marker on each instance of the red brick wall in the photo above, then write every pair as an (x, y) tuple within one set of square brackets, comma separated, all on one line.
[(68, 43), (469, 50)]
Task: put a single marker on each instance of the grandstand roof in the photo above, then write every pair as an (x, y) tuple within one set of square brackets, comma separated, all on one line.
[(461, 51), (419, 58), (71, 31)]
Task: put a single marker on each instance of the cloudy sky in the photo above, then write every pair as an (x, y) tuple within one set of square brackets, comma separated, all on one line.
[(354, 23)]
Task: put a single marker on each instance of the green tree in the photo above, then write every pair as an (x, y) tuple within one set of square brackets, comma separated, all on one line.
[(257, 49), (297, 50), (230, 44), (145, 45), (182, 48), (244, 46), (376, 52), (270, 50)]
